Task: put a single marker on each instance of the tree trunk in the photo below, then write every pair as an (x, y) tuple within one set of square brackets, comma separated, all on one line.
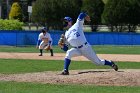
[(129, 28), (120, 28), (94, 28), (111, 28)]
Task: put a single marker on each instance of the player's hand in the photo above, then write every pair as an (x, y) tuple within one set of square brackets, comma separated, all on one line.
[(87, 18), (60, 44), (48, 48)]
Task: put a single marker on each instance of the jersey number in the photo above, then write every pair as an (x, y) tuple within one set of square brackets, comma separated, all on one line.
[(77, 34)]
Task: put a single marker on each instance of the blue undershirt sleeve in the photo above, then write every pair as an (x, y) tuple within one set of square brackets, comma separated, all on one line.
[(82, 16), (50, 42)]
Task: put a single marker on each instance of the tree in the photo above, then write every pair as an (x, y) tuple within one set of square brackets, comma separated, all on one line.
[(94, 8), (121, 12), (51, 12), (114, 13), (15, 12), (132, 17)]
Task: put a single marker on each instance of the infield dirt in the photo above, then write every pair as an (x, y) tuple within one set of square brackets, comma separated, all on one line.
[(60, 56)]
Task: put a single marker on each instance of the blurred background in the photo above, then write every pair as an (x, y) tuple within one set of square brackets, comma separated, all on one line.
[(115, 20)]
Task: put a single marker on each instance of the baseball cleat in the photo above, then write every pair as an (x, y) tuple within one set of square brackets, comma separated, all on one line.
[(40, 55), (65, 72), (114, 66)]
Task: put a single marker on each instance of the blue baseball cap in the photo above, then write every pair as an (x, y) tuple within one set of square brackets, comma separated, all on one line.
[(44, 29), (69, 19)]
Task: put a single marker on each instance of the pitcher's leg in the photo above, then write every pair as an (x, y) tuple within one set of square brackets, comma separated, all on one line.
[(69, 54), (91, 55)]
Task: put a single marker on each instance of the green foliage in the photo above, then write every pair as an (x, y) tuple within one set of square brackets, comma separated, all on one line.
[(105, 1), (94, 9), (133, 14), (107, 16), (116, 12), (10, 24), (51, 12), (120, 12), (15, 12)]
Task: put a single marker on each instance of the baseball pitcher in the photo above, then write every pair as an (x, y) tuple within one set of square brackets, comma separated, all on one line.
[(80, 47), (44, 41)]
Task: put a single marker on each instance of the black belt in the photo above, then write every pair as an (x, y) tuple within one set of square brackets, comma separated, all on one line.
[(82, 45)]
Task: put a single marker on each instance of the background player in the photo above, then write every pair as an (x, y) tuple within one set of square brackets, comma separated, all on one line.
[(44, 41), (76, 38)]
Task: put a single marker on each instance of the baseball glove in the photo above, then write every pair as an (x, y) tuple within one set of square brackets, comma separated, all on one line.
[(61, 41), (47, 48)]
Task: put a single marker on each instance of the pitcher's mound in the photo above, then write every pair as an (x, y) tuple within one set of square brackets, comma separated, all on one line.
[(96, 77)]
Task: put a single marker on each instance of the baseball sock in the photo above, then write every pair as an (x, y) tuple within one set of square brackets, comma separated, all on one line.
[(66, 64), (109, 63), (51, 50), (41, 50)]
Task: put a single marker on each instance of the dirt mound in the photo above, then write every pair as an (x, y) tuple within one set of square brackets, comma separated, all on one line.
[(96, 77)]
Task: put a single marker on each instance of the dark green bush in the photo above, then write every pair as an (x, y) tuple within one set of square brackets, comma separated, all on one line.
[(10, 24)]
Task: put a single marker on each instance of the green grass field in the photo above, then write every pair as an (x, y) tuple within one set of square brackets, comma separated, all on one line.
[(9, 66), (14, 66), (98, 49), (14, 87)]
